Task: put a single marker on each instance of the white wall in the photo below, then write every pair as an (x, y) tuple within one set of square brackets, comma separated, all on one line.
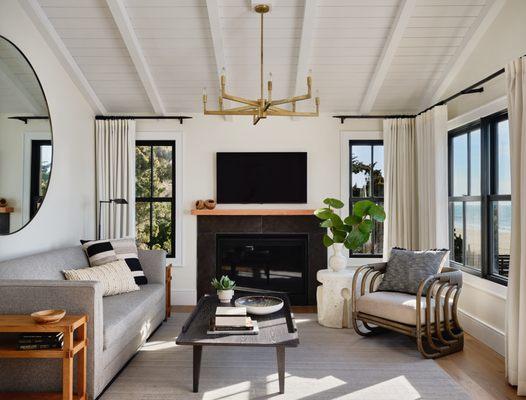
[(67, 213), (204, 136)]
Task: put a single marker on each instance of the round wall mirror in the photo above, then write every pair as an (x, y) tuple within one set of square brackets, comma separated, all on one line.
[(26, 147)]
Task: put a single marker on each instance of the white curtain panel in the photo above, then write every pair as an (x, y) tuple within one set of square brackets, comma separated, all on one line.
[(115, 174), (516, 296), (400, 228), (431, 177)]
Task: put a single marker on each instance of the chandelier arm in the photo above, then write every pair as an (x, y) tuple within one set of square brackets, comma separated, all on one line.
[(280, 112), (227, 96), (242, 108), (291, 99), (229, 112)]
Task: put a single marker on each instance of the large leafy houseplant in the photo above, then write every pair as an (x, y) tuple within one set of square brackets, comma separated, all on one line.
[(353, 231)]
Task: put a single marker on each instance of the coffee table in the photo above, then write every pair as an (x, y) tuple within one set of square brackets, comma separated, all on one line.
[(275, 330)]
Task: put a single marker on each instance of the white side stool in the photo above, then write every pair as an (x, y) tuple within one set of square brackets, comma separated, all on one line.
[(334, 297)]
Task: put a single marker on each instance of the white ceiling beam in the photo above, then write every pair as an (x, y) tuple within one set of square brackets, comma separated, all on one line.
[(405, 10), (31, 105), (53, 40), (470, 41), (305, 51), (212, 7), (122, 20)]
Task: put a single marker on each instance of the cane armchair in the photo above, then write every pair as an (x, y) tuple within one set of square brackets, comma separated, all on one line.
[(430, 316)]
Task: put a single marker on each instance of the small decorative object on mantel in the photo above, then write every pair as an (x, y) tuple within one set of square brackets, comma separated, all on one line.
[(225, 288), (199, 205), (352, 232), (3, 203), (48, 316), (210, 204)]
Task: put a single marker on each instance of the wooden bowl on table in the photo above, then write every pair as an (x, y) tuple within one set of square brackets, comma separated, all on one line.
[(48, 316)]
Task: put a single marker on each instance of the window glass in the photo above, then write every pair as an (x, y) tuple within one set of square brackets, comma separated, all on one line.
[(143, 171), (162, 168), (503, 158), (361, 171), (460, 165), (162, 227), (142, 224), (378, 171), (458, 232), (473, 246), (46, 152), (501, 215), (475, 162)]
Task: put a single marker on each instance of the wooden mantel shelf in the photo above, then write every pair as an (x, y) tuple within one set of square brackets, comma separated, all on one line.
[(283, 212), (6, 210)]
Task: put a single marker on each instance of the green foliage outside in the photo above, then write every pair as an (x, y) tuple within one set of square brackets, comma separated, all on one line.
[(353, 231), (158, 233)]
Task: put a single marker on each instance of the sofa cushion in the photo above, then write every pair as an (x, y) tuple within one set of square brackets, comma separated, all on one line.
[(47, 265), (116, 277), (123, 314), (394, 306), (406, 269)]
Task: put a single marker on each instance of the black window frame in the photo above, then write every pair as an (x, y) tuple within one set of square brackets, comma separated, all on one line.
[(375, 199), (488, 187), (151, 200)]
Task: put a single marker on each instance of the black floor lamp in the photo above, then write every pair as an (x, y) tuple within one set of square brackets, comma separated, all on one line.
[(115, 201)]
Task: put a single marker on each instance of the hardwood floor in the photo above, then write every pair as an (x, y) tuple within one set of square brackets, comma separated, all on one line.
[(478, 369)]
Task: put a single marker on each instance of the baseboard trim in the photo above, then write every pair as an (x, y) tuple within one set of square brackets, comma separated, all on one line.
[(184, 297), (486, 333)]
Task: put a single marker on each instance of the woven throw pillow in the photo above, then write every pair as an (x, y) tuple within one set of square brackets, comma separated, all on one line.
[(406, 269), (123, 249), (116, 277)]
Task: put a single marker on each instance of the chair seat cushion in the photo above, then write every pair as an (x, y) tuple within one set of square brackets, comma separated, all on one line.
[(395, 306), (124, 313)]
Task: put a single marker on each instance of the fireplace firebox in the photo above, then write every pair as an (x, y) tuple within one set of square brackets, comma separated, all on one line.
[(273, 262)]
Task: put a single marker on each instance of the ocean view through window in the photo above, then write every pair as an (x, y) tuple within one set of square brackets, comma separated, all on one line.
[(480, 197)]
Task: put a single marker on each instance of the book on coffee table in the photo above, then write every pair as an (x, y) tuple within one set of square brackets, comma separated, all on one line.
[(231, 311), (250, 329)]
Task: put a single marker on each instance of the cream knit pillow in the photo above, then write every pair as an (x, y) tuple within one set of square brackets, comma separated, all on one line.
[(115, 277)]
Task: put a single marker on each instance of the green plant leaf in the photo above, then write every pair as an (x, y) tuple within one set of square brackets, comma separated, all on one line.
[(366, 226), (327, 241), (334, 203), (352, 220), (377, 213), (323, 213), (356, 239), (336, 221), (338, 235), (361, 208), (326, 224)]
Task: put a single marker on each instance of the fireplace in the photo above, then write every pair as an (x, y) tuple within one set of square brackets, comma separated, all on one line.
[(300, 235), (272, 262)]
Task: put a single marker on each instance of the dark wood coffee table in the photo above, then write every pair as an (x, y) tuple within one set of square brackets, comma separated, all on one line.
[(275, 330)]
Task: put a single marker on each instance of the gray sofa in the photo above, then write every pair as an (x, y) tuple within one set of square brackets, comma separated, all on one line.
[(118, 325)]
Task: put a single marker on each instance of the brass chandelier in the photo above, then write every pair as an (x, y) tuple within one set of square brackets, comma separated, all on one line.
[(261, 108)]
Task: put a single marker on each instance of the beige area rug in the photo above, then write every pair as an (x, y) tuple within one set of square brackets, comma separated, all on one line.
[(328, 364)]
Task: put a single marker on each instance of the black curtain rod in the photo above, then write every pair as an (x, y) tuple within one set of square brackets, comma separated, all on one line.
[(181, 118), (469, 90), (25, 118)]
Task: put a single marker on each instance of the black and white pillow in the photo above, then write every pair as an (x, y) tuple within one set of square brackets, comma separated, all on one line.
[(123, 249), (99, 252)]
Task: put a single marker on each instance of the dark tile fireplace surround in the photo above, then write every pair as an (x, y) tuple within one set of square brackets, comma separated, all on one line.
[(267, 252)]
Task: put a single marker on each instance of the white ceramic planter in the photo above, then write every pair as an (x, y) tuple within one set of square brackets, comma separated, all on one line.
[(225, 295), (338, 260)]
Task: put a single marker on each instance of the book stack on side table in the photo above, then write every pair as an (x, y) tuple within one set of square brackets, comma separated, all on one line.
[(232, 321), (40, 341)]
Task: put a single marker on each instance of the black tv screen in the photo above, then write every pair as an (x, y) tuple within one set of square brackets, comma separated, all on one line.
[(261, 178)]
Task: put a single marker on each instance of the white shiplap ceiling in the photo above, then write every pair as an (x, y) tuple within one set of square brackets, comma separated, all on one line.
[(155, 56)]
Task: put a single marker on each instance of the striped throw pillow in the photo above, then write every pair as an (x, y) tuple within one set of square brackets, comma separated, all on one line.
[(98, 252), (116, 277)]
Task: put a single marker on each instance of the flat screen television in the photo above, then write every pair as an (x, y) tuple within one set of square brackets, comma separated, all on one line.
[(258, 178)]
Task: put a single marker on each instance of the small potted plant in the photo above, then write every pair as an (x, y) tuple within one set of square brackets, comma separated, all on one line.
[(225, 288), (352, 232)]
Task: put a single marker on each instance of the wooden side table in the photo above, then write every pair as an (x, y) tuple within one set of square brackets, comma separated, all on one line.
[(73, 345)]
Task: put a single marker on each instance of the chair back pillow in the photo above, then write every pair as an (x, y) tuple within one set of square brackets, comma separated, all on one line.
[(116, 277), (406, 269), (103, 251)]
